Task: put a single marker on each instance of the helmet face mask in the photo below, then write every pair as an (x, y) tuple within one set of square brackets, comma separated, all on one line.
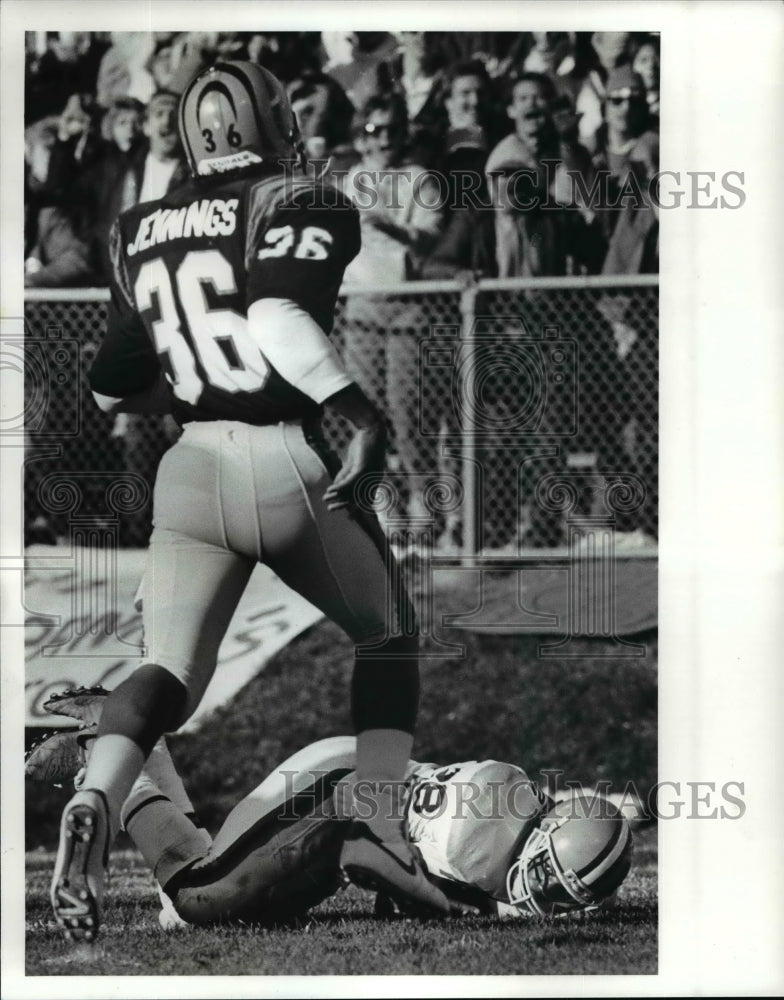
[(236, 116), (578, 857)]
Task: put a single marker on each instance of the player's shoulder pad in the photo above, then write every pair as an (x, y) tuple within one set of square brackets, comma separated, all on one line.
[(515, 783), (270, 195), (286, 199)]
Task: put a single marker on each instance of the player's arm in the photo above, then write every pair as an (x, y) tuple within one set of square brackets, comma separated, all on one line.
[(301, 352), (126, 375), (295, 267), (366, 449)]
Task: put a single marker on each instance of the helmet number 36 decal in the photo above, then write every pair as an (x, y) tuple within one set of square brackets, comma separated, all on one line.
[(233, 138), (216, 335)]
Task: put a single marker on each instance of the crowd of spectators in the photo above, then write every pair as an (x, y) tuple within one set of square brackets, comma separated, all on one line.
[(526, 154), (487, 111)]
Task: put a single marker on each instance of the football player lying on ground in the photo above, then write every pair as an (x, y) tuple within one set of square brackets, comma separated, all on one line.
[(488, 836)]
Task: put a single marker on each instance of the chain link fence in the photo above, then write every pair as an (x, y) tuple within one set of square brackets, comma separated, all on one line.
[(512, 405)]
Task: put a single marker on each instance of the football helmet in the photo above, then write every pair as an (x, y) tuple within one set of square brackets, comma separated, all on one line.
[(236, 116), (575, 859)]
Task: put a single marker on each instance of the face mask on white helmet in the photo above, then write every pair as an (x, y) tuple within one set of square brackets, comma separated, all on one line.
[(578, 857)]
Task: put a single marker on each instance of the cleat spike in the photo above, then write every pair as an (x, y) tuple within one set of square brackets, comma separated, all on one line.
[(77, 886)]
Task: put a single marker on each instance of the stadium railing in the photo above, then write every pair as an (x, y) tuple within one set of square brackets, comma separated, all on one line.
[(520, 410)]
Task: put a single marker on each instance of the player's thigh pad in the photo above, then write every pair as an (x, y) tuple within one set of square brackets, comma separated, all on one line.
[(191, 590), (338, 560)]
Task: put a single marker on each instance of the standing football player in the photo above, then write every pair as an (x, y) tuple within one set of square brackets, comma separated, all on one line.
[(223, 295)]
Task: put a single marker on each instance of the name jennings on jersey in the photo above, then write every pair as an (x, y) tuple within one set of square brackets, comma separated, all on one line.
[(186, 271), (206, 217), (470, 821)]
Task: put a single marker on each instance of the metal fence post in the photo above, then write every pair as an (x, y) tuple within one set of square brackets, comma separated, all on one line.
[(469, 475)]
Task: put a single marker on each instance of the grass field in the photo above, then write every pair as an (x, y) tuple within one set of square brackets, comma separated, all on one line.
[(594, 717), (343, 938)]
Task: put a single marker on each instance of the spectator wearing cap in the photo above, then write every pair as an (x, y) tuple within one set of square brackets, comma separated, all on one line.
[(626, 137), (608, 51), (626, 120)]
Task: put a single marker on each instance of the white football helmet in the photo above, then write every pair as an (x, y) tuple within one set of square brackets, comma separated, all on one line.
[(575, 859)]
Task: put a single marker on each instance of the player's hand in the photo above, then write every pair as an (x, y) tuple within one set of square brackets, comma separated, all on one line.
[(365, 454)]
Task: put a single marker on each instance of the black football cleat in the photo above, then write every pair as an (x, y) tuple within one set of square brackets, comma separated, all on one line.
[(80, 868), (56, 757), (83, 703)]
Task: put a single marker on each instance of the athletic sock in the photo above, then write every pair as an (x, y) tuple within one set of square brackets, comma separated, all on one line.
[(114, 765), (167, 839), (382, 761), (159, 766), (383, 754)]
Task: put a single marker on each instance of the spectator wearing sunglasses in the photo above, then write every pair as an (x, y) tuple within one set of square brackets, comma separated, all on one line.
[(400, 211), (625, 118), (626, 138)]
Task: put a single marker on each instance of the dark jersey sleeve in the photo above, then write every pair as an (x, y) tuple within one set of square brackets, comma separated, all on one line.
[(126, 362), (300, 250)]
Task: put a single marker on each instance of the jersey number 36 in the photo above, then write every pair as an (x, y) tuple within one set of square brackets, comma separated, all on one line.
[(219, 339)]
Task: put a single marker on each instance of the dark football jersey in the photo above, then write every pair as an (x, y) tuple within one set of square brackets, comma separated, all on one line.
[(186, 269)]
